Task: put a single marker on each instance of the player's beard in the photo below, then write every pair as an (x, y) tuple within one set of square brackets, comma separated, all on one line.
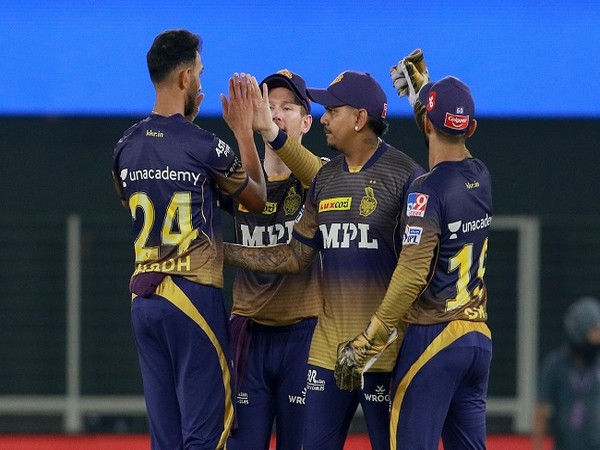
[(331, 146), (190, 104)]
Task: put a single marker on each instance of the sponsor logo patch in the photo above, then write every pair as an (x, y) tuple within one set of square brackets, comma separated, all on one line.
[(222, 149), (335, 204), (412, 235), (416, 204), (431, 100), (270, 208), (456, 121)]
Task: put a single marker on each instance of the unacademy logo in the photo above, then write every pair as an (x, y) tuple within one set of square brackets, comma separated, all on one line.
[(453, 227), (159, 174), (470, 226)]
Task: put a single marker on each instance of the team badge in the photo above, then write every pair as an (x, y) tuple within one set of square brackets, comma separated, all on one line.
[(416, 204), (292, 201), (368, 203), (286, 73)]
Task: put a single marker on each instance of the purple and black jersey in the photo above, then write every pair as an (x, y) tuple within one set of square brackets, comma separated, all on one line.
[(169, 169), (273, 299), (353, 217), (448, 217)]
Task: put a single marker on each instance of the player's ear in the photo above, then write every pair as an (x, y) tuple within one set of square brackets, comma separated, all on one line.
[(472, 128), (183, 78), (426, 124), (306, 124), (361, 119)]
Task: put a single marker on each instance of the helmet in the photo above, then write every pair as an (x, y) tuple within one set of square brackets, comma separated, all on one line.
[(581, 317)]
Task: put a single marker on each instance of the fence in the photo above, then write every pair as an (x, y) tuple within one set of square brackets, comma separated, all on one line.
[(68, 351)]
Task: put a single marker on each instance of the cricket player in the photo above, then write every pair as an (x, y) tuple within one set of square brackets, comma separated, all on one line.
[(440, 381), (274, 316), (166, 171), (351, 216)]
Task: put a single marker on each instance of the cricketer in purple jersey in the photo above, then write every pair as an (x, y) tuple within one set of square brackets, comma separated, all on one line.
[(167, 171), (352, 218), (440, 381), (273, 315)]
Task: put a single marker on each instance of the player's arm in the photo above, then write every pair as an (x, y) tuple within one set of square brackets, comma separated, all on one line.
[(301, 161), (409, 76), (293, 257), (237, 112), (408, 280)]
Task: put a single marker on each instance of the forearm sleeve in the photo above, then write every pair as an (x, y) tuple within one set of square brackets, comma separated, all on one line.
[(301, 161)]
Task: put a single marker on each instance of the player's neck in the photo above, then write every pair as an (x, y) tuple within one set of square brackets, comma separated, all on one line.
[(167, 103), (361, 151), (274, 166), (442, 153)]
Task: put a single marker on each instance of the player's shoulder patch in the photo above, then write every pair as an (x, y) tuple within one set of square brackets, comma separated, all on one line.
[(416, 204), (412, 235)]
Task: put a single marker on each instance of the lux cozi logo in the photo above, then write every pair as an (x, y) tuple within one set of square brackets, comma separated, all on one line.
[(343, 235), (335, 204)]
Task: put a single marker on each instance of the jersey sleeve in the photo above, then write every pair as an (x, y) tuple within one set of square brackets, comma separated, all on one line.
[(225, 167), (420, 241), (301, 161), (307, 227)]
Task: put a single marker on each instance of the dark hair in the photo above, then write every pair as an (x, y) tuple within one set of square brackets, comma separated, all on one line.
[(450, 138), (170, 50), (379, 127)]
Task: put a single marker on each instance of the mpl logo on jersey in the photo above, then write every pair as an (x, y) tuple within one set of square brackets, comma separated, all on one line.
[(412, 235), (416, 205)]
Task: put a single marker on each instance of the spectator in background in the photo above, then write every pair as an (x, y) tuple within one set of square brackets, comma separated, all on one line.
[(568, 405)]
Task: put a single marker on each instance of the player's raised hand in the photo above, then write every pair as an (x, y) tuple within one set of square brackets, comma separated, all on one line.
[(356, 356), (415, 80), (398, 75), (238, 109), (263, 118)]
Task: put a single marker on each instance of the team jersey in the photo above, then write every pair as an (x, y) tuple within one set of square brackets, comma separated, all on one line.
[(354, 219), (448, 217), (272, 299), (170, 169)]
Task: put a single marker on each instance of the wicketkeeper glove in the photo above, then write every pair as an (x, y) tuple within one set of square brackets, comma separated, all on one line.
[(356, 356), (398, 76), (415, 81)]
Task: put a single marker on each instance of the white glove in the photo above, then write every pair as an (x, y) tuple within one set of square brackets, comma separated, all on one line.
[(399, 80), (414, 81), (398, 76)]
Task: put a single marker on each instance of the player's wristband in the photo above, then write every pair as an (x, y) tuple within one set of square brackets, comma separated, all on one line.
[(278, 142)]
